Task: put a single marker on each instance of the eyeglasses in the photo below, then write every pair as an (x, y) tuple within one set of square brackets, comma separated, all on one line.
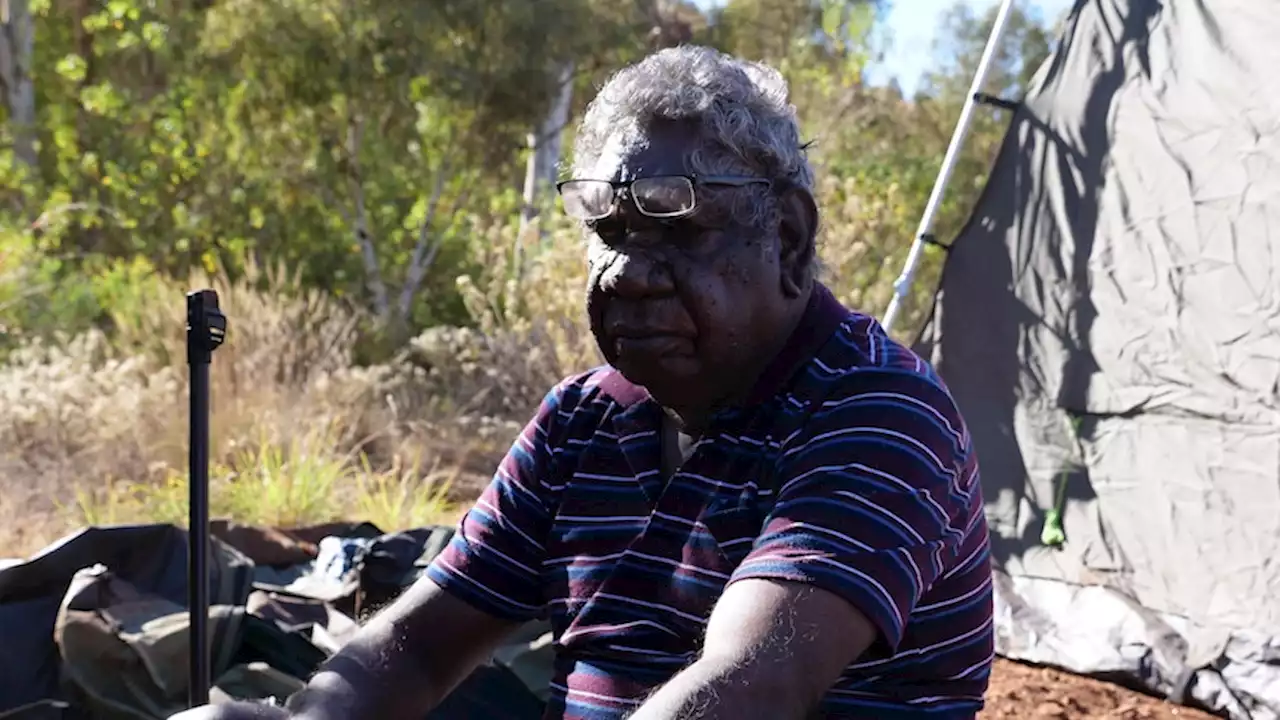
[(660, 196)]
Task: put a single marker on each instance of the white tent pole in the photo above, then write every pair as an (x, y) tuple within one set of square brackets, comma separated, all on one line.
[(903, 283)]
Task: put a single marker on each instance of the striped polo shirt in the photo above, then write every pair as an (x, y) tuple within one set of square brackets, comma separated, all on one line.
[(849, 468)]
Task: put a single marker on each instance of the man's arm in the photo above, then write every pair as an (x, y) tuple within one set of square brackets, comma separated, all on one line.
[(772, 645), (400, 665), (864, 524), (484, 585), (405, 660)]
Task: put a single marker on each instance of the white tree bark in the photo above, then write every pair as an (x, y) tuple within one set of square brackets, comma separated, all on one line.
[(17, 44), (360, 223), (425, 249), (545, 144)]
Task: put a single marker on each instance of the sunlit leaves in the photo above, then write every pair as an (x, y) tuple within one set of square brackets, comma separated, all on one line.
[(72, 68)]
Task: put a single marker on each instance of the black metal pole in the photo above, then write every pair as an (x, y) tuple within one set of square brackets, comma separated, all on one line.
[(206, 328)]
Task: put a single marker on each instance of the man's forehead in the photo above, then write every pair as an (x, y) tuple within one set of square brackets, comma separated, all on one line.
[(630, 153)]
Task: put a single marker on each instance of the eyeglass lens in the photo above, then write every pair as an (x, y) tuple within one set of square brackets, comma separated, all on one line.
[(653, 196)]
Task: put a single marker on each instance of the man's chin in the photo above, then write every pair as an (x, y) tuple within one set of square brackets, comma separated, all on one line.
[(668, 378)]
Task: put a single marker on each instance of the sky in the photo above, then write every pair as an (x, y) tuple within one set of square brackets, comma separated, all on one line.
[(913, 25)]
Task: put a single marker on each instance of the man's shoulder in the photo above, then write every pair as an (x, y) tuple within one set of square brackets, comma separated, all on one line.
[(594, 390), (862, 357), (863, 377), (579, 407)]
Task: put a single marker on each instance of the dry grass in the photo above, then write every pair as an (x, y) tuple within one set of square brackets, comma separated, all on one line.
[(93, 428)]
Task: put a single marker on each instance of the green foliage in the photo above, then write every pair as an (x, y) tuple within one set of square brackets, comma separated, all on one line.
[(28, 302), (46, 295), (197, 137)]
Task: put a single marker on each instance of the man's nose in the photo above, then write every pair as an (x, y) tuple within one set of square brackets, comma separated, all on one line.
[(637, 273)]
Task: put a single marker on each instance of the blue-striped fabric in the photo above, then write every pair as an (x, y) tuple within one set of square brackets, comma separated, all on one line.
[(850, 469)]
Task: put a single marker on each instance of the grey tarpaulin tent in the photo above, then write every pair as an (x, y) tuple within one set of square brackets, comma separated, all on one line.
[(1110, 319)]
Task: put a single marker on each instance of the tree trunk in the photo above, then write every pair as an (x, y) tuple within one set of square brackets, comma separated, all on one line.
[(360, 223), (425, 249), (17, 44), (545, 144)]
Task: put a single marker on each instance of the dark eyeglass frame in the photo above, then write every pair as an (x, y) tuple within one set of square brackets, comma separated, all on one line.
[(623, 188)]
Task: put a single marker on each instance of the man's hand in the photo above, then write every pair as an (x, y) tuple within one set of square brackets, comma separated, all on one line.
[(233, 711), (772, 649), (400, 665)]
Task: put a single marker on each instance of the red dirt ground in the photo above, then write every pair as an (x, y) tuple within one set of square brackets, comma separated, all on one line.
[(1021, 692)]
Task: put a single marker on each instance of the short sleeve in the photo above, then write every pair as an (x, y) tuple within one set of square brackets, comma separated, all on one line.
[(872, 494), (493, 561)]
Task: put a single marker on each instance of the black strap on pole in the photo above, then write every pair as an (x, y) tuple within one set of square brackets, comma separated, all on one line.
[(206, 328), (931, 239), (994, 101)]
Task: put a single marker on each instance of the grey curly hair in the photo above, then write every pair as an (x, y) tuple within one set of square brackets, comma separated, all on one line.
[(741, 108)]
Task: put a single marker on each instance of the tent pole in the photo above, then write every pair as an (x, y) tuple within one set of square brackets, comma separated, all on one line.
[(923, 232)]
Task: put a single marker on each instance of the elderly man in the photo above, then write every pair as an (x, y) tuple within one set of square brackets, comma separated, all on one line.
[(762, 507)]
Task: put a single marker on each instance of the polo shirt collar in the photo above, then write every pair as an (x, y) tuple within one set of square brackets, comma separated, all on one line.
[(820, 320)]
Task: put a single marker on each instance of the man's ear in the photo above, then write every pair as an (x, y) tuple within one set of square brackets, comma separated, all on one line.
[(796, 234)]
